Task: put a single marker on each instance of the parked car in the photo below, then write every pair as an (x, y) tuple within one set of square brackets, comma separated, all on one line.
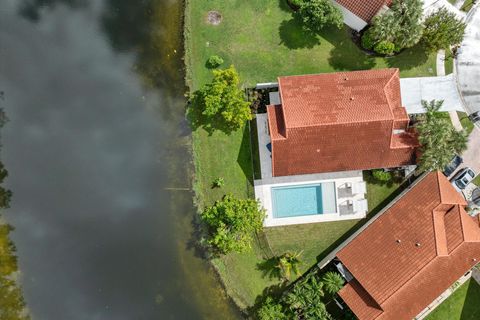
[(475, 117), (462, 178), (452, 166)]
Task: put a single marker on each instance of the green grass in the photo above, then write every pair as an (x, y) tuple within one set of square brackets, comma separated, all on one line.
[(264, 41), (476, 181), (465, 121), (461, 305), (318, 239), (467, 5), (448, 61)]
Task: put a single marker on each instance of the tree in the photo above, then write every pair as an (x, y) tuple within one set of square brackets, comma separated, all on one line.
[(220, 104), (214, 61), (442, 30), (332, 282), (317, 14), (271, 310), (231, 223), (305, 299), (438, 138), (288, 262), (400, 26)]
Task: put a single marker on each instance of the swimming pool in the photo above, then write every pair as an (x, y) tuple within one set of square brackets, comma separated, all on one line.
[(304, 200)]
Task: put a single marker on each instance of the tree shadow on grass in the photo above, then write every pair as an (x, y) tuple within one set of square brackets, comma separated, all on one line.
[(409, 58), (282, 4), (269, 268), (294, 36), (470, 308), (346, 56), (274, 291)]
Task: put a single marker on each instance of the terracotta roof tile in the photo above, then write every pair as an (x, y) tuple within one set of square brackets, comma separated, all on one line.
[(365, 10), (359, 301), (398, 259), (320, 129)]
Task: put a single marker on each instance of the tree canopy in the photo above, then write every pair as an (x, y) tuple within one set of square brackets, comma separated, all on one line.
[(318, 14), (398, 28), (442, 30), (220, 104), (439, 140), (231, 223)]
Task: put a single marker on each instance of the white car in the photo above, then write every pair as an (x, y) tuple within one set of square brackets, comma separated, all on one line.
[(463, 178)]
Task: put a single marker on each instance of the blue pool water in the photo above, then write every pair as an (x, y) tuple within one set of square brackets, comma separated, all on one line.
[(303, 200)]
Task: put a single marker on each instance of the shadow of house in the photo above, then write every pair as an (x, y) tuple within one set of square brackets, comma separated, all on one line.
[(470, 308), (244, 158)]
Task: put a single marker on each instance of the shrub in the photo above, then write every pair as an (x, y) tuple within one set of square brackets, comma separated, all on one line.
[(218, 182), (384, 47), (231, 223), (332, 282), (214, 61), (367, 41), (317, 14), (271, 310), (296, 3), (381, 175)]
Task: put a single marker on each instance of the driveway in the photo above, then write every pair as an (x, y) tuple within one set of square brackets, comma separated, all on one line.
[(468, 63)]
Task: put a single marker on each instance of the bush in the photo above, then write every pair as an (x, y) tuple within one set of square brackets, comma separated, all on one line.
[(317, 14), (218, 182), (381, 175), (384, 47), (367, 41), (231, 223), (296, 3), (214, 61)]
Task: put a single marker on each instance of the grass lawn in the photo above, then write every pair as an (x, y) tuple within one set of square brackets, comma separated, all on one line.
[(476, 181), (448, 61), (466, 123), (263, 40), (461, 305), (467, 5)]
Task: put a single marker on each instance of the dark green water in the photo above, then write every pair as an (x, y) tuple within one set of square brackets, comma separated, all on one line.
[(96, 140)]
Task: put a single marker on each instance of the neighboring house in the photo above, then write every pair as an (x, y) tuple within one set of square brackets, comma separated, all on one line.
[(411, 254), (357, 14), (318, 135)]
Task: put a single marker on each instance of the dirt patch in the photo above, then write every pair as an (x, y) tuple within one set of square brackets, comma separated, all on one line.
[(214, 18)]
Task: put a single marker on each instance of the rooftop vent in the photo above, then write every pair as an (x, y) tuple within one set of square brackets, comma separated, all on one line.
[(418, 244), (352, 98), (399, 241)]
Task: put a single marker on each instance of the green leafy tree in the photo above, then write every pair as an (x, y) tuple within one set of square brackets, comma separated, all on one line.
[(442, 30), (271, 310), (305, 299), (332, 282), (381, 175), (220, 104), (401, 25), (288, 262), (438, 138), (231, 223), (318, 14)]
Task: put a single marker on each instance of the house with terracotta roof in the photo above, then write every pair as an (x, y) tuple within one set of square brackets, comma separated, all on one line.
[(405, 260), (319, 133), (358, 14)]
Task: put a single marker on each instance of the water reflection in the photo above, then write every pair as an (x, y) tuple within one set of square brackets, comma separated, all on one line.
[(94, 94)]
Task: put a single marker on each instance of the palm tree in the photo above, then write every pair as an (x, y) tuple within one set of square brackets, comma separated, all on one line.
[(332, 282), (288, 262), (439, 139), (305, 299)]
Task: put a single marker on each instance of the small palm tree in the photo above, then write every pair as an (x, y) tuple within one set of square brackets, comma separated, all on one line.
[(218, 182), (288, 262), (332, 282)]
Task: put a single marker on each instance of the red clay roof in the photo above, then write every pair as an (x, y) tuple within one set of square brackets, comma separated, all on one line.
[(340, 121), (365, 10), (412, 253)]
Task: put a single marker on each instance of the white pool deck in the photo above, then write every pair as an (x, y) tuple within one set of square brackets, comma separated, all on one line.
[(345, 196)]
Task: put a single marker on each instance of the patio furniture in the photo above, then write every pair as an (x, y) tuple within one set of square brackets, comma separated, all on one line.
[(359, 187), (356, 206)]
